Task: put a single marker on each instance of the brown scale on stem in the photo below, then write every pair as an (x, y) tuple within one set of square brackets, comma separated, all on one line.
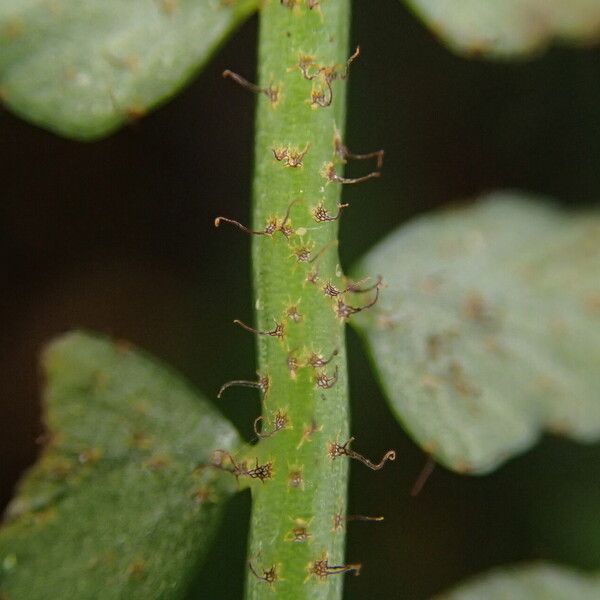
[(329, 172), (262, 472), (335, 450), (272, 92), (318, 361), (330, 290), (292, 364), (324, 249), (218, 461), (345, 311), (339, 520), (271, 227), (296, 478), (262, 384), (299, 533), (278, 331), (273, 224), (280, 421), (285, 227), (313, 277), (325, 382), (302, 253), (354, 288), (321, 215), (293, 314), (269, 576), (344, 153), (308, 433), (321, 96), (321, 569), (364, 518), (289, 156), (322, 93)]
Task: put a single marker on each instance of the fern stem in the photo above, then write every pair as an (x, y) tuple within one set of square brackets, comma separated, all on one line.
[(298, 515)]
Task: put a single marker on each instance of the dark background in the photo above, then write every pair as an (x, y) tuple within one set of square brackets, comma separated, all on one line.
[(117, 236)]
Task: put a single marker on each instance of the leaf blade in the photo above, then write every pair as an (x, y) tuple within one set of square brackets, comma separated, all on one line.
[(83, 69), (503, 29), (487, 335), (541, 581), (114, 503)]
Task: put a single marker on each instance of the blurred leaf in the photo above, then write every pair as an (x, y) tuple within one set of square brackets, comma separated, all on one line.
[(82, 68), (505, 28), (114, 507), (530, 582), (489, 329)]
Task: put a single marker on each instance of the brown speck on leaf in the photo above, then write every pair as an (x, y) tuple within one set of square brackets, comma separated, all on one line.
[(13, 29), (54, 8), (123, 347), (464, 467), (491, 344), (90, 456), (169, 6), (558, 327), (158, 462), (204, 495), (430, 382), (561, 428), (129, 63), (545, 384), (385, 322), (476, 308), (431, 285), (591, 304), (433, 345), (101, 379), (137, 569), (459, 381)]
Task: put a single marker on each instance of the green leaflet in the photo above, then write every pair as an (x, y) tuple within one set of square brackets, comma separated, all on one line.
[(507, 28), (530, 582), (84, 67), (489, 329), (114, 507)]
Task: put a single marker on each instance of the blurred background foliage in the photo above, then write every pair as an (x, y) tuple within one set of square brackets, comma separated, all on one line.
[(117, 236)]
